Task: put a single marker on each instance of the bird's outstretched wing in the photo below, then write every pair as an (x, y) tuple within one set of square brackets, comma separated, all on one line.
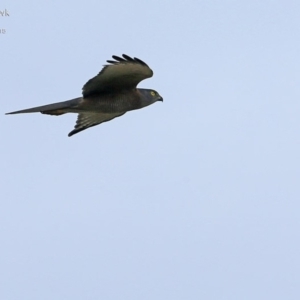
[(121, 73), (88, 119)]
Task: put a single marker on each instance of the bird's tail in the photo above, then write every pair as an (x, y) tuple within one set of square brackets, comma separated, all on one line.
[(55, 109)]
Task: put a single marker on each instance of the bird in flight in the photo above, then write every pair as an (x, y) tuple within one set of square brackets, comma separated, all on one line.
[(106, 96)]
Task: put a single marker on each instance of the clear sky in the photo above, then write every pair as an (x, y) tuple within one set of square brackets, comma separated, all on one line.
[(197, 197)]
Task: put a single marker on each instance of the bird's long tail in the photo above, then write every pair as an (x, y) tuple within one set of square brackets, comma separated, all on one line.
[(56, 109)]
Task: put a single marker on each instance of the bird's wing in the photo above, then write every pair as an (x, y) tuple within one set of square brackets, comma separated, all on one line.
[(86, 120), (120, 73)]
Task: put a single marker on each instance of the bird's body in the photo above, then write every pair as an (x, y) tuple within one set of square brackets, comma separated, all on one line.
[(108, 95)]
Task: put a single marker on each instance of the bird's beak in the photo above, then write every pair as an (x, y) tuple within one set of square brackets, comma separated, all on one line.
[(160, 99)]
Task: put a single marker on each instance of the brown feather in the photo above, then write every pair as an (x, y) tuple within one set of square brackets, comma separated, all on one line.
[(123, 73)]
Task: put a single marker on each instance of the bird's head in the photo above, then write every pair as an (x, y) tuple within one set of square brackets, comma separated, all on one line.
[(149, 97)]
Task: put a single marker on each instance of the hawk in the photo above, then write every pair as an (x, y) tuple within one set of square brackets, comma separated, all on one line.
[(106, 96)]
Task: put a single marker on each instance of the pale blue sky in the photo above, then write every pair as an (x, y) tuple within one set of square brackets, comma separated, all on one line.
[(197, 197)]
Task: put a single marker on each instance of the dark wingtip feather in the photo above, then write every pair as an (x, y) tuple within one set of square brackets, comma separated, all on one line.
[(112, 62), (120, 59), (74, 131), (140, 61), (126, 58)]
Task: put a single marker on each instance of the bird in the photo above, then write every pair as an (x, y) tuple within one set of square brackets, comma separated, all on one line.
[(108, 95)]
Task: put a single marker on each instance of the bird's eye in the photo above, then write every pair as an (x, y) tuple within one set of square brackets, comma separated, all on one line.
[(152, 93)]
